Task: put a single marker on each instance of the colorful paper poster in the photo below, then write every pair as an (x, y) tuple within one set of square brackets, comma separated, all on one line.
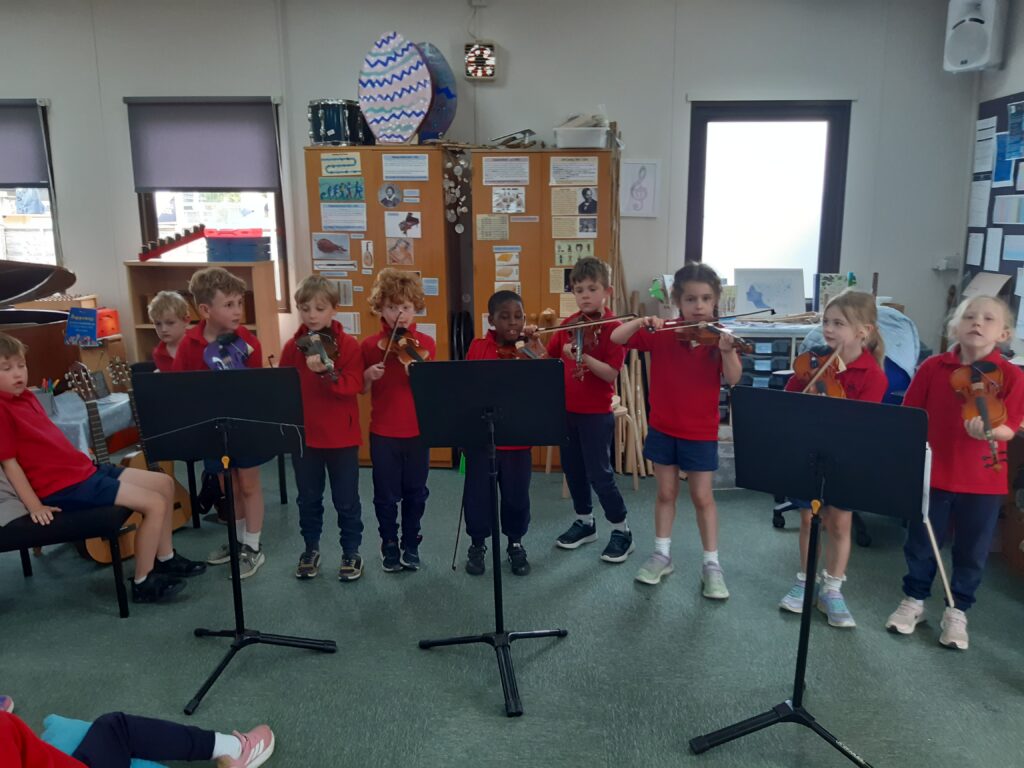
[(81, 327), (340, 164), (1013, 248), (507, 255), (568, 252), (508, 199), (431, 286), (1002, 172), (1015, 131), (506, 272), (406, 167), (330, 246), (491, 226), (403, 224), (514, 169), (400, 252), (343, 216), (342, 188), (573, 170)]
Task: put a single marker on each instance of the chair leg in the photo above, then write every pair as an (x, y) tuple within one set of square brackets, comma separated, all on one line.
[(547, 460), (26, 563), (193, 493), (281, 479), (118, 568)]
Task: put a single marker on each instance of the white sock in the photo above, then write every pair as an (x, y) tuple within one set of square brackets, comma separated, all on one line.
[(830, 582), (620, 527), (710, 557), (165, 558), (917, 603), (663, 546), (240, 530), (137, 580), (252, 540), (225, 745), (586, 519), (801, 576)]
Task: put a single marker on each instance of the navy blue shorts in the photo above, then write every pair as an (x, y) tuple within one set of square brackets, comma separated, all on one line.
[(216, 468), (688, 455), (98, 490)]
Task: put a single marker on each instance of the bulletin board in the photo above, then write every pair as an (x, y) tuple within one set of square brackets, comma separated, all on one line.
[(995, 226), (372, 207)]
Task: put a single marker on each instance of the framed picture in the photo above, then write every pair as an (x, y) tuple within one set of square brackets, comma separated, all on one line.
[(638, 189)]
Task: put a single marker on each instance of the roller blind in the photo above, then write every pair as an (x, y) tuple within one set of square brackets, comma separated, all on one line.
[(204, 144), (23, 160)]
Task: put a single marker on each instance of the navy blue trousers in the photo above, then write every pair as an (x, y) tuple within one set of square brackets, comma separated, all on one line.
[(586, 461), (339, 466), (400, 468), (514, 471), (973, 517), (115, 738)]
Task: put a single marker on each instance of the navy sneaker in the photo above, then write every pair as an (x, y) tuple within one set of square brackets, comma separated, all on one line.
[(156, 588), (475, 558), (517, 559), (579, 533), (619, 546), (411, 556), (179, 566), (391, 556)]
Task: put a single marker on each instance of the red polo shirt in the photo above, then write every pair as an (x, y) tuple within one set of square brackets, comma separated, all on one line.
[(392, 411), (189, 356), (20, 748), (330, 408), (50, 462), (685, 382), (591, 394), (162, 358), (958, 460), (863, 380), (486, 348)]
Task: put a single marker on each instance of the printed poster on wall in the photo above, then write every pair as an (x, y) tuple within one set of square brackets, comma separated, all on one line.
[(406, 167), (341, 189), (341, 164), (573, 170), (330, 246), (343, 216), (501, 171)]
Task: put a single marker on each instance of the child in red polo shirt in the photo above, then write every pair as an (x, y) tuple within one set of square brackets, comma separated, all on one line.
[(683, 434), (331, 413), (51, 476), (966, 490), (168, 311), (221, 342), (515, 466), (400, 459), (586, 458), (849, 325)]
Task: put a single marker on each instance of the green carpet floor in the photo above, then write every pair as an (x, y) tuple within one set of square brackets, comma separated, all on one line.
[(642, 671)]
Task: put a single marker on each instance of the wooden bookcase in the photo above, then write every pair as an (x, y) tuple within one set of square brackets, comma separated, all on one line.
[(147, 278)]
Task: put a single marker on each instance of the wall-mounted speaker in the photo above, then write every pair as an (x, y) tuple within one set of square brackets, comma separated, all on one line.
[(974, 35)]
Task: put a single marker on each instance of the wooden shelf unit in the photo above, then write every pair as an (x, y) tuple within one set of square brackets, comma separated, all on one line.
[(146, 279)]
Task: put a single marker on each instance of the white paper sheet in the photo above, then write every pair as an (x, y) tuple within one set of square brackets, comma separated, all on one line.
[(975, 247), (1013, 248), (342, 216), (985, 284), (1019, 285), (499, 171), (993, 249), (977, 214), (984, 145), (405, 167)]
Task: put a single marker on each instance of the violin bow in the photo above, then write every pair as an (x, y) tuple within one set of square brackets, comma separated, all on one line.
[(391, 341), (697, 323), (587, 324), (833, 358)]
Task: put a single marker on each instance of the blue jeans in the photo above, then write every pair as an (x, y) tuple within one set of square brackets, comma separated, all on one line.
[(341, 467), (586, 461), (973, 516), (514, 471), (400, 468)]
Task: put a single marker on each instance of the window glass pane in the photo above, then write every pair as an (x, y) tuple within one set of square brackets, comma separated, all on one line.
[(763, 190), (26, 226), (177, 211)]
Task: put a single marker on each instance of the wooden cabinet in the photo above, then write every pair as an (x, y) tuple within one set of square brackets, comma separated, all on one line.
[(147, 278)]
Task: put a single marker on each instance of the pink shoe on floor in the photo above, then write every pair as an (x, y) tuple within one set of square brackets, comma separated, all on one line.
[(257, 746), (6, 704)]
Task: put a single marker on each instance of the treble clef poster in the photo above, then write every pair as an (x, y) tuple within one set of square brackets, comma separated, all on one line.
[(638, 190)]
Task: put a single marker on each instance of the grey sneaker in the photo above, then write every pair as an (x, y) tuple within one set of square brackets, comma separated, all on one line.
[(832, 604), (794, 599), (656, 566), (221, 555), (249, 561), (713, 581), (908, 614), (954, 629), (309, 565)]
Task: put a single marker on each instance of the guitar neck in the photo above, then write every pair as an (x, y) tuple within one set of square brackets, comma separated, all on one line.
[(96, 436), (138, 425)]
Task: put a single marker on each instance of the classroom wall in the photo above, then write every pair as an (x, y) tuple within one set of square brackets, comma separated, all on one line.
[(643, 60), (1010, 77)]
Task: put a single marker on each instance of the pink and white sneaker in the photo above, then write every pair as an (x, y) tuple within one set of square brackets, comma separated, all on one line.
[(257, 746)]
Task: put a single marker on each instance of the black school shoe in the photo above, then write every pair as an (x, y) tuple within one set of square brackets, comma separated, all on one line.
[(475, 559), (517, 559), (620, 545), (179, 566), (157, 588), (391, 556), (411, 555), (579, 533)]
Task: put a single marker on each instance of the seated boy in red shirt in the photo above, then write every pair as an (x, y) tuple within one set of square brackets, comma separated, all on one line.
[(331, 413), (168, 311), (51, 476), (221, 342)]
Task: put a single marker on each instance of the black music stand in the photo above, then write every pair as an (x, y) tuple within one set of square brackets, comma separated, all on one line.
[(482, 404), (216, 415), (845, 453)]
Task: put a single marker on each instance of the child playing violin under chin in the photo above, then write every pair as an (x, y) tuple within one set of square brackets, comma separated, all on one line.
[(850, 327), (400, 459), (685, 382), (966, 490), (515, 465), (331, 414)]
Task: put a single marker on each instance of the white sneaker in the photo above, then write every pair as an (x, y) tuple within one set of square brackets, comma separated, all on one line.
[(249, 561), (954, 629), (906, 617), (713, 582)]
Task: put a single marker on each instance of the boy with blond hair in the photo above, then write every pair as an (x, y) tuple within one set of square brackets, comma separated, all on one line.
[(168, 311)]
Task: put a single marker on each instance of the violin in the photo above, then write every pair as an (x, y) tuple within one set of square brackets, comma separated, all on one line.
[(704, 334), (978, 385), (227, 352), (322, 344), (407, 349), (526, 347), (819, 369)]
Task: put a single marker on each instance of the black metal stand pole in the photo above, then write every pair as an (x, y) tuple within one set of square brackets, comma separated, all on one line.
[(791, 710), (499, 639), (240, 636)]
